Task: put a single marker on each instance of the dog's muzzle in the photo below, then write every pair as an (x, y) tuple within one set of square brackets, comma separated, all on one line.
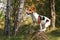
[(28, 13)]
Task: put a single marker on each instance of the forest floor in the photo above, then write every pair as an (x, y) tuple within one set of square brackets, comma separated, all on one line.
[(24, 35), (54, 35)]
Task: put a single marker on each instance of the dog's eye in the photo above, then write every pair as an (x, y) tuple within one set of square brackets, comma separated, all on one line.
[(29, 10)]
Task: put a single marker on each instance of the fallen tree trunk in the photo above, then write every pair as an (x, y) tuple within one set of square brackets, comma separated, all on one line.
[(39, 36)]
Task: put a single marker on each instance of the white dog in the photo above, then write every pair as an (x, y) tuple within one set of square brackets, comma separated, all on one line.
[(41, 20)]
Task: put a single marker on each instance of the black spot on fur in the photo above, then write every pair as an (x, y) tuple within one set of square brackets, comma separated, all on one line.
[(42, 18), (47, 20)]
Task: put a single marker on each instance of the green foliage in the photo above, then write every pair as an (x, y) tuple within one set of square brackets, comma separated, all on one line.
[(2, 17), (2, 14), (57, 12)]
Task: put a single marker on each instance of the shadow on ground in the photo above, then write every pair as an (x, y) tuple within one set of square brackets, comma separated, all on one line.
[(55, 33)]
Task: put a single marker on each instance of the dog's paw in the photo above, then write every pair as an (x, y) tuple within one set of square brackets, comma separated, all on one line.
[(42, 30)]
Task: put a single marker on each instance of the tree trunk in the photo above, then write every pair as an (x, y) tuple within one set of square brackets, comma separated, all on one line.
[(15, 15), (19, 15), (7, 18), (53, 14)]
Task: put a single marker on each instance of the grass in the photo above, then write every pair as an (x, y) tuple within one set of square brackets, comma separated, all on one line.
[(54, 35), (24, 34)]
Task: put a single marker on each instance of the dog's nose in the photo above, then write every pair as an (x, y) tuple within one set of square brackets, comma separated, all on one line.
[(27, 13)]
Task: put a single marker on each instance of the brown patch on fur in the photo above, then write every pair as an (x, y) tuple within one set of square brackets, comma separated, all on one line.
[(31, 9), (39, 20)]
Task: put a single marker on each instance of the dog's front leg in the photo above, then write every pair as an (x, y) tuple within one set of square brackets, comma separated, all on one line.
[(41, 29), (40, 26), (44, 29)]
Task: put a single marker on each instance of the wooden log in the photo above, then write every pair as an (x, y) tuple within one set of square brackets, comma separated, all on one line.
[(39, 36)]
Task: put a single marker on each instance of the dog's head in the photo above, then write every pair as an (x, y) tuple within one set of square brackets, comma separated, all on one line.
[(30, 10)]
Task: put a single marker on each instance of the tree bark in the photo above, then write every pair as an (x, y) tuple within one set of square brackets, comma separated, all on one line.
[(53, 14), (15, 15), (19, 15), (7, 18)]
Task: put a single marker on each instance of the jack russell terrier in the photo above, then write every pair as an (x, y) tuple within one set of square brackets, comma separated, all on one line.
[(41, 20)]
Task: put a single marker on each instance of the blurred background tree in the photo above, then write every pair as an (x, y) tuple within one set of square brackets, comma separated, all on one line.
[(7, 18)]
